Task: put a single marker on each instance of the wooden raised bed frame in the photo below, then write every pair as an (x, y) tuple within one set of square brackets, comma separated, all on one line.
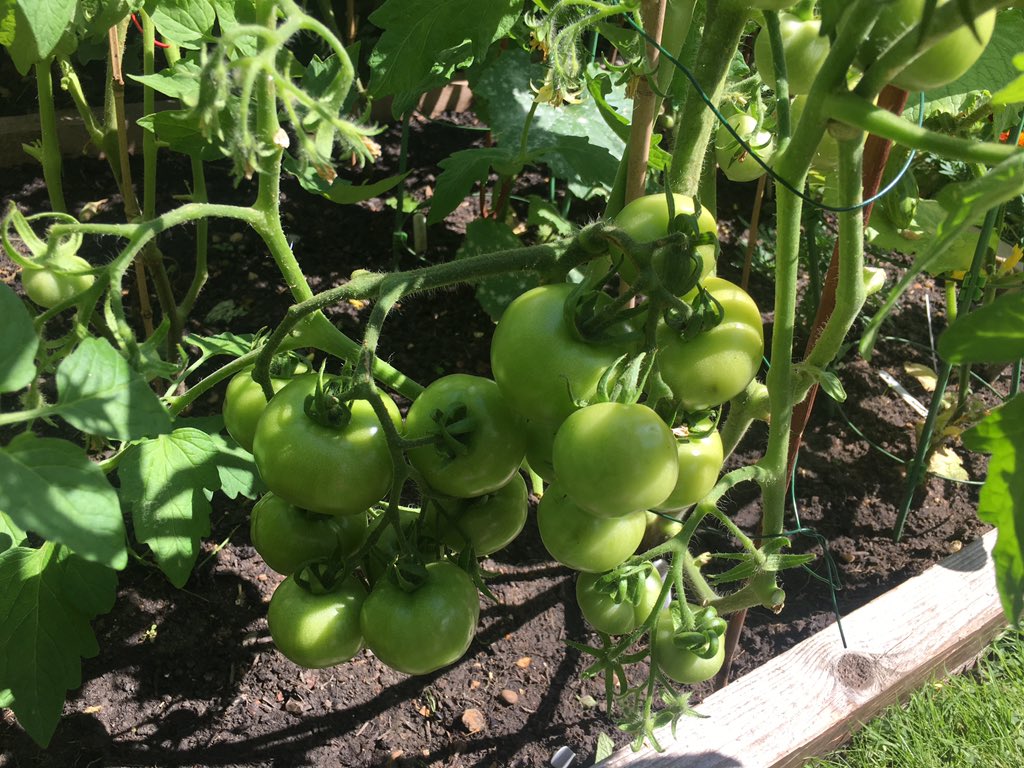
[(809, 700)]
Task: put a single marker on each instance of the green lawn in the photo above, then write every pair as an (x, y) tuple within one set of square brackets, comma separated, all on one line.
[(975, 720)]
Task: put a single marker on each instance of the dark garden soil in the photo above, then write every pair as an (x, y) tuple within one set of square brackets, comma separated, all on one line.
[(190, 678)]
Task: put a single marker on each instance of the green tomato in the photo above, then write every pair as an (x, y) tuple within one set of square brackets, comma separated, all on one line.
[(826, 157), (488, 523), (700, 462), (335, 471), (244, 403), (317, 630), (736, 163), (944, 62), (681, 664), (613, 459), (645, 220), (615, 614), (58, 281), (470, 463), (540, 441), (286, 536), (716, 365), (805, 49), (430, 627), (539, 363), (583, 542)]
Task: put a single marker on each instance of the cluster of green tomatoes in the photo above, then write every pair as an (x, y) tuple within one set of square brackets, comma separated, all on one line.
[(608, 461)]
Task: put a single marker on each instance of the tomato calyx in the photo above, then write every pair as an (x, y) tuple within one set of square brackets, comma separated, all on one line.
[(327, 403), (705, 313), (697, 631), (453, 427), (319, 577)]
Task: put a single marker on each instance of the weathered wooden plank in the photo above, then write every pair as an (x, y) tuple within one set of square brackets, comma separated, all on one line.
[(809, 699)]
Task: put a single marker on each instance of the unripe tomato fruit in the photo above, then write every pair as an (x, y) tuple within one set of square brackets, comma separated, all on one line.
[(682, 664), (716, 365), (944, 62), (645, 219), (320, 468), (612, 459), (317, 630), (736, 162), (700, 462), (537, 360), (583, 542), (490, 453), (616, 618), (430, 627), (805, 49), (244, 403), (490, 522), (58, 281), (286, 536)]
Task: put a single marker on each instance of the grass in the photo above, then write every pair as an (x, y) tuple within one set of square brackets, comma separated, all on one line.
[(975, 720)]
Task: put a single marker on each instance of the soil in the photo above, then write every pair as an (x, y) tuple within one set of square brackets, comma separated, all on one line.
[(190, 677)]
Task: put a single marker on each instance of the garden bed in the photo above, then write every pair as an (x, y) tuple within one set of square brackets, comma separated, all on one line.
[(190, 677)]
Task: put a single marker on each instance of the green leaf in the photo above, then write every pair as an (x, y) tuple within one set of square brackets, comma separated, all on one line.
[(18, 343), (226, 343), (236, 469), (10, 534), (964, 202), (48, 596), (339, 191), (99, 393), (495, 293), (178, 82), (6, 699), (162, 481), (993, 333), (548, 219), (576, 142), (1014, 92), (605, 747), (1001, 502), (179, 130), (459, 172), (426, 41), (185, 22), (39, 26), (50, 486)]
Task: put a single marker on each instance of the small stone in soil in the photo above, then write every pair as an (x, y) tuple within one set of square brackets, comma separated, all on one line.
[(294, 706), (473, 720), (509, 697), (524, 662)]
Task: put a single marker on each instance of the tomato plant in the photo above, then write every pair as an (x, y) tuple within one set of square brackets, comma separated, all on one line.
[(334, 469), (680, 660), (700, 462), (57, 281), (244, 401), (735, 161), (427, 628), (487, 523), (317, 626), (479, 440)]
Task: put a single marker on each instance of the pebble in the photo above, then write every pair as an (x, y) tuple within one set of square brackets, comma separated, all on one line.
[(473, 720), (509, 697), (294, 706)]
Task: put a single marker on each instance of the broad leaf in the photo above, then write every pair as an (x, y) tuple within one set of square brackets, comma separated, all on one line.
[(185, 22), (48, 596), (993, 333), (236, 469), (1001, 502), (99, 393), (50, 487), (179, 130), (39, 26), (162, 481), (339, 191), (18, 343), (10, 534), (426, 41), (178, 82), (495, 293), (459, 172), (1014, 92), (226, 343)]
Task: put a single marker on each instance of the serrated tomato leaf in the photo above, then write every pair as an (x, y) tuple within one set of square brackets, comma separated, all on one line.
[(162, 483), (18, 343), (48, 596), (1001, 501), (99, 393), (993, 333), (51, 487)]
